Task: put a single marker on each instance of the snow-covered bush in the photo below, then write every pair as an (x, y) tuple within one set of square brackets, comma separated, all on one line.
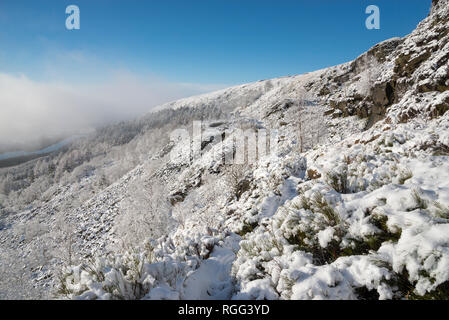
[(367, 226), (159, 269)]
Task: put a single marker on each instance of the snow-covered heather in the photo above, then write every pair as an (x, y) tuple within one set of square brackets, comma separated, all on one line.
[(377, 213), (352, 204)]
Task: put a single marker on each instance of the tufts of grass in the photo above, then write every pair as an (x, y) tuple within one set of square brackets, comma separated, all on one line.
[(306, 203), (305, 236), (363, 293), (380, 221), (420, 202), (405, 175), (248, 227), (338, 181), (321, 205), (313, 174), (440, 210), (405, 289), (375, 241), (440, 293)]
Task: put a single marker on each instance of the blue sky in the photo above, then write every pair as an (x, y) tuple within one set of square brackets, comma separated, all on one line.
[(196, 41)]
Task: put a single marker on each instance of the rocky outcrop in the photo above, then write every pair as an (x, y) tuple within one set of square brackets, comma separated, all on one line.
[(393, 70), (438, 5)]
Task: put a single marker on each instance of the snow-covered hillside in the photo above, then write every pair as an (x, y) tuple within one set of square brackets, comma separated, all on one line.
[(353, 203)]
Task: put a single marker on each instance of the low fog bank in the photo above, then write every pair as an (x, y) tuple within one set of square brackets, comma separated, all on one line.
[(34, 115)]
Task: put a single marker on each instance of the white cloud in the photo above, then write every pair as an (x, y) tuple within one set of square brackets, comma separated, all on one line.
[(31, 111)]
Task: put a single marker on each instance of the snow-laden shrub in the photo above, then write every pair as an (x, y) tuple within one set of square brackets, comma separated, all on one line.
[(441, 210), (376, 230), (238, 179), (157, 270), (130, 275)]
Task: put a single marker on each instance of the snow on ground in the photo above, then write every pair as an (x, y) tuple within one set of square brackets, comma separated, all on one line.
[(365, 218), (362, 224), (352, 204), (212, 280)]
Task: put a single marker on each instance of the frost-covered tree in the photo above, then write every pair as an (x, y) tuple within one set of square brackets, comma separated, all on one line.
[(145, 213)]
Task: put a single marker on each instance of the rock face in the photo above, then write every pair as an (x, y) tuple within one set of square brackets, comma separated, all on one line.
[(437, 5), (393, 70)]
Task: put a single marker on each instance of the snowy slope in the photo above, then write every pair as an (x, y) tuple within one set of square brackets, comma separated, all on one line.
[(353, 204)]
